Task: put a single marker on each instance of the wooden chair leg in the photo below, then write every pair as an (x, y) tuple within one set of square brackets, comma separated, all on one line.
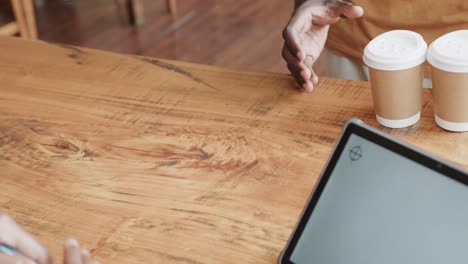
[(133, 9), (28, 6), (18, 10), (9, 29), (137, 12), (172, 5)]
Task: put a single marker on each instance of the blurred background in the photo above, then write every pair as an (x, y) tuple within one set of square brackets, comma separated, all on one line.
[(242, 34)]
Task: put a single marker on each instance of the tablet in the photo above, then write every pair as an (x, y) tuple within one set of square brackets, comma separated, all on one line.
[(380, 200)]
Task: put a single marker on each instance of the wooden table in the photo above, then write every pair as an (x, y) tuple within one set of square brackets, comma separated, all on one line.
[(154, 161)]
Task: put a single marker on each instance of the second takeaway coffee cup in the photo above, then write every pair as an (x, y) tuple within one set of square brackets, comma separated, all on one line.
[(395, 60), (448, 56)]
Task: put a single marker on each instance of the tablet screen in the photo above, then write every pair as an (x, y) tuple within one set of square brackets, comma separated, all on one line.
[(381, 207)]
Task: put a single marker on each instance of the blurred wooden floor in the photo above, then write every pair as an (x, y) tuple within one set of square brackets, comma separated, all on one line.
[(234, 33)]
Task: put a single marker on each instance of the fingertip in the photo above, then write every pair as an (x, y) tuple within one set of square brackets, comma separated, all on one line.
[(315, 79), (306, 74), (359, 11), (72, 252), (86, 256), (311, 89), (348, 12), (309, 86), (353, 11), (71, 242)]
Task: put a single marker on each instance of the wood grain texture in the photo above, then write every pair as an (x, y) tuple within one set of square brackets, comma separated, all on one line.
[(155, 161)]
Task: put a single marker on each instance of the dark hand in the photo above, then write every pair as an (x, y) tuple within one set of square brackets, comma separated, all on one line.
[(306, 34)]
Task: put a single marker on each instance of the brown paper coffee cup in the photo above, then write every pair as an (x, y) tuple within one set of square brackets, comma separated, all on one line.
[(397, 95), (395, 60), (448, 56), (450, 92)]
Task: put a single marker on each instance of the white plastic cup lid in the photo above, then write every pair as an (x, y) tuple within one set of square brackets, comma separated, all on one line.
[(450, 52), (395, 50)]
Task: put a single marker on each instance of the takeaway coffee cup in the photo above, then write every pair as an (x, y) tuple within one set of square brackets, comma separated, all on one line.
[(448, 56), (395, 60)]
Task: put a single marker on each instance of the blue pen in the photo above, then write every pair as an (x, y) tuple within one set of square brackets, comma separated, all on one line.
[(8, 250)]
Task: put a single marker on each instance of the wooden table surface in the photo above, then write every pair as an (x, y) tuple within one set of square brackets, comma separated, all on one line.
[(153, 161)]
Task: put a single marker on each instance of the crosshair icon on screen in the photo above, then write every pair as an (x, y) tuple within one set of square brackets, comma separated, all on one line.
[(355, 153)]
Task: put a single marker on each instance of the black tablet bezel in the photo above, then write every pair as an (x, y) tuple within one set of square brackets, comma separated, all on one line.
[(358, 128)]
